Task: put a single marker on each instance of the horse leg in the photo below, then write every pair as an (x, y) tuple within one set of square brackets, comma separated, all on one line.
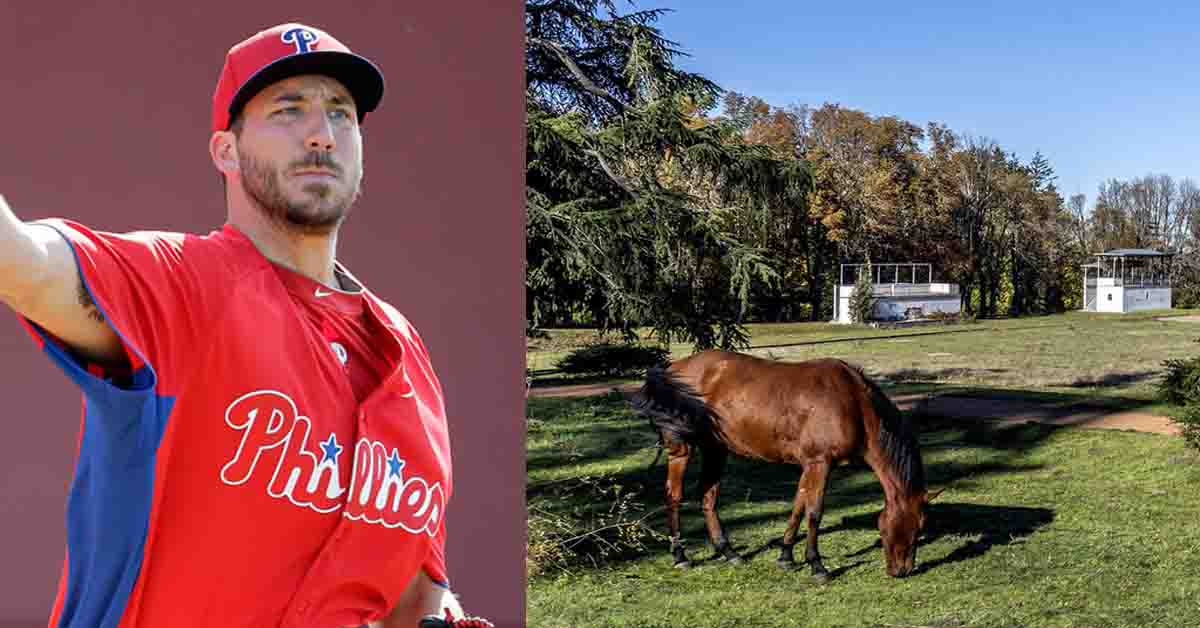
[(812, 484), (677, 459), (712, 466), (786, 558)]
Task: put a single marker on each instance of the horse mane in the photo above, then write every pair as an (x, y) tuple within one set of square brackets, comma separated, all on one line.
[(898, 437), (676, 409)]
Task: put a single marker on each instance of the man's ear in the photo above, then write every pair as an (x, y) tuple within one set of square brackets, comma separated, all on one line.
[(222, 148)]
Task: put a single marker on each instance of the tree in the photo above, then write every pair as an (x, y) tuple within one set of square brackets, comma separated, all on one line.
[(1152, 211), (862, 300), (628, 191), (868, 191), (1189, 213), (973, 176), (1041, 173), (839, 146), (1111, 223), (790, 236), (1077, 205)]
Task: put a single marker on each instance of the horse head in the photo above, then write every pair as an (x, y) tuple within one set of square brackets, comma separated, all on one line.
[(900, 525)]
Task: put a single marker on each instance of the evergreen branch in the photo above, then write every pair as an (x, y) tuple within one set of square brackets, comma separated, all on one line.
[(586, 83)]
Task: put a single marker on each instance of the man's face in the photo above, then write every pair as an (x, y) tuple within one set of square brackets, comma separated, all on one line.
[(300, 153)]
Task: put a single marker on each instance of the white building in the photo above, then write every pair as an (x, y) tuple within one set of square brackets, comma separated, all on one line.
[(1128, 280), (899, 295)]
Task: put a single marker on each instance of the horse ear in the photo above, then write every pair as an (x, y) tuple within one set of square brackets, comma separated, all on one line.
[(932, 496)]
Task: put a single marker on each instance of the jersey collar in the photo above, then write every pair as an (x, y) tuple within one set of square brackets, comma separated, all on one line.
[(346, 298)]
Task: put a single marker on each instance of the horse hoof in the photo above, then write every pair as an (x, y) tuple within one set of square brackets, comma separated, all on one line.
[(821, 577), (687, 564), (790, 565), (735, 560)]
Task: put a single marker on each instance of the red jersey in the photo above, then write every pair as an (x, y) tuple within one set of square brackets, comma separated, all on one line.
[(276, 456)]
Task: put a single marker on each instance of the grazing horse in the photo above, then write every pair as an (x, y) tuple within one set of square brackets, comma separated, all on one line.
[(815, 414)]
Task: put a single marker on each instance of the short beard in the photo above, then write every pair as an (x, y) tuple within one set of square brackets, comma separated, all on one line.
[(321, 214)]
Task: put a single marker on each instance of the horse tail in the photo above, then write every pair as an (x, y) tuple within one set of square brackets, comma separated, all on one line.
[(675, 410)]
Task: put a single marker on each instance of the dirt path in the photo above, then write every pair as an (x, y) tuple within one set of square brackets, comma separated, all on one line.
[(581, 390), (1015, 411), (1181, 319), (999, 411)]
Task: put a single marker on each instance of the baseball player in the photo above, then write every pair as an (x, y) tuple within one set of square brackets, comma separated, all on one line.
[(263, 439)]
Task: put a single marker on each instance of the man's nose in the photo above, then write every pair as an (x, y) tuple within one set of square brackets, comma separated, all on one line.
[(320, 135)]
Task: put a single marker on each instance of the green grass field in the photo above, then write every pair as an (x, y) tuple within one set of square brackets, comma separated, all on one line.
[(1038, 526)]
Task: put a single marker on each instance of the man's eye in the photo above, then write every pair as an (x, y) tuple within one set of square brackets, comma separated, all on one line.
[(340, 114), (288, 110)]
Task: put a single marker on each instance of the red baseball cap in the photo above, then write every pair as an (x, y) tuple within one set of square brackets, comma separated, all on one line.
[(290, 50)]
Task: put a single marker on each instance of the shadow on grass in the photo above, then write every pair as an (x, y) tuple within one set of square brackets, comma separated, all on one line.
[(612, 440), (1113, 380), (981, 526), (846, 489), (941, 431), (926, 375), (551, 380), (967, 406), (591, 429)]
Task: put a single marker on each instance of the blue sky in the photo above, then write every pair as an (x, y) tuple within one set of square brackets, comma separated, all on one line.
[(1104, 91)]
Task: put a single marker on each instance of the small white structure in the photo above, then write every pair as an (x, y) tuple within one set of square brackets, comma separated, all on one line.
[(1128, 280), (898, 294)]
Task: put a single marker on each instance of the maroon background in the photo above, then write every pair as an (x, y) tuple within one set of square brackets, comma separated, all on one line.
[(106, 114)]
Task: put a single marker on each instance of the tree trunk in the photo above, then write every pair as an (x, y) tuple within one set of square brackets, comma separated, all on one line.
[(1017, 307), (816, 271), (967, 305), (993, 294)]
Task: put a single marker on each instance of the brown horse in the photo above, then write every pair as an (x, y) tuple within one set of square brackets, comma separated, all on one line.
[(815, 414)]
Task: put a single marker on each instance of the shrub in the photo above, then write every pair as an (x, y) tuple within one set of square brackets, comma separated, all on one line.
[(586, 522), (1189, 425), (938, 315), (1186, 282), (1181, 386), (612, 359), (1186, 296)]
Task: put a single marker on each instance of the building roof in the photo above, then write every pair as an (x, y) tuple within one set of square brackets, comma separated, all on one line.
[(1134, 253)]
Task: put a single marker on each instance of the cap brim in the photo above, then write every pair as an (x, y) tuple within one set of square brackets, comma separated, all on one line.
[(363, 80)]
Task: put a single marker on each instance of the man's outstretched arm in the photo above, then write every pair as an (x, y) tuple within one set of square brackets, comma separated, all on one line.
[(40, 281)]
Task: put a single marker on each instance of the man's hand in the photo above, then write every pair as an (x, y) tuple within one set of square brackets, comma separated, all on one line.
[(449, 621), (424, 601)]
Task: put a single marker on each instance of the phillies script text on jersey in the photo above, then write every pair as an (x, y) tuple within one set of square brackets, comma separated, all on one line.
[(276, 439)]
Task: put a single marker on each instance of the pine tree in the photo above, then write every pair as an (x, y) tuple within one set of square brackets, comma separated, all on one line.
[(630, 190), (862, 300)]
